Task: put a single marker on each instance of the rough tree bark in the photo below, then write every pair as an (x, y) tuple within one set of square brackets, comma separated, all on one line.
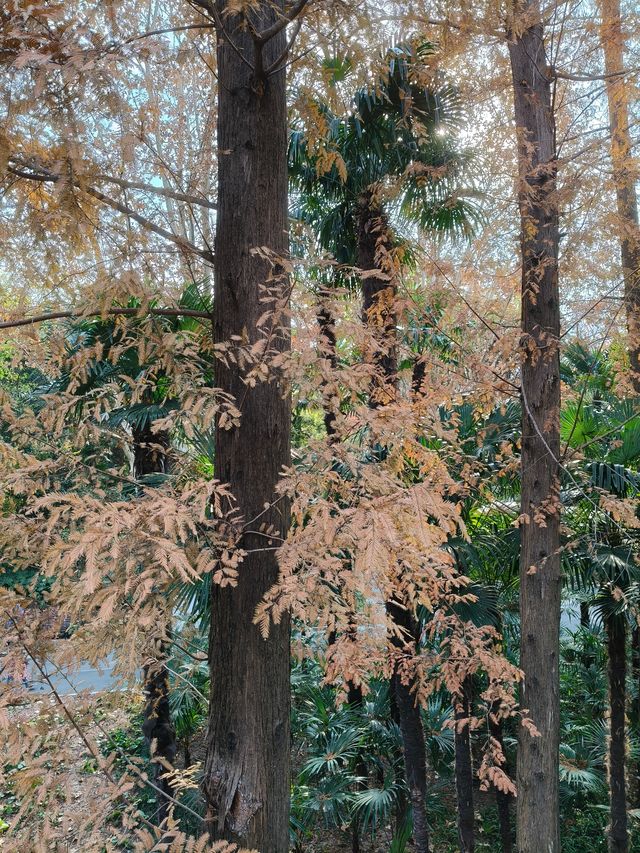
[(464, 768), (537, 772), (624, 175), (618, 836), (378, 312), (246, 776), (150, 457)]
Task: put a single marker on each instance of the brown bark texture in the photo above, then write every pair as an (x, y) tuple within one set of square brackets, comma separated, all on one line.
[(634, 774), (537, 772), (246, 776)]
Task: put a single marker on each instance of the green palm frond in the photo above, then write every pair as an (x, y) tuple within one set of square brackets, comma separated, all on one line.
[(338, 750), (615, 478), (374, 806), (399, 133), (192, 599), (579, 774)]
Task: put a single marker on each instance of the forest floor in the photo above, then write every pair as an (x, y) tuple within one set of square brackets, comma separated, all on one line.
[(112, 721), (77, 789)]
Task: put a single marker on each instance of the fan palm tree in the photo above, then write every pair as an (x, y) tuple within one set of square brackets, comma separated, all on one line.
[(395, 171)]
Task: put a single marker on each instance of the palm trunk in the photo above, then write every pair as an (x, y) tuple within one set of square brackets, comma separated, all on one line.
[(503, 800), (150, 457), (464, 768), (378, 295), (412, 732), (584, 614), (327, 346), (246, 774), (326, 326), (617, 672), (537, 772), (624, 175), (158, 729), (378, 313)]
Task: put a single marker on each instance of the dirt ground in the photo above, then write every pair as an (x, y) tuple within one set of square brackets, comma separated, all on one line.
[(76, 787)]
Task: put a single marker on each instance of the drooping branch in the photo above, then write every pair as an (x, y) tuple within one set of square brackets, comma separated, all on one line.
[(590, 78), (122, 312)]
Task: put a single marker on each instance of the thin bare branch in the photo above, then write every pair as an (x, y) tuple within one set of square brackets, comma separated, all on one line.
[(148, 225), (163, 31), (590, 78), (149, 188), (278, 63), (210, 7), (123, 312)]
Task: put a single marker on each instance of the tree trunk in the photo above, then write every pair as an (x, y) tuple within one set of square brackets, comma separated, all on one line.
[(246, 775), (157, 727), (412, 732), (585, 621), (327, 348), (326, 326), (464, 768), (503, 800), (634, 781), (617, 672), (150, 457), (624, 175), (537, 772), (378, 294)]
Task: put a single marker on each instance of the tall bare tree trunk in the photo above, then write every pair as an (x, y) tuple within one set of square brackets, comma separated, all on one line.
[(464, 768), (618, 833), (378, 312), (246, 777), (150, 457), (624, 175), (537, 772)]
